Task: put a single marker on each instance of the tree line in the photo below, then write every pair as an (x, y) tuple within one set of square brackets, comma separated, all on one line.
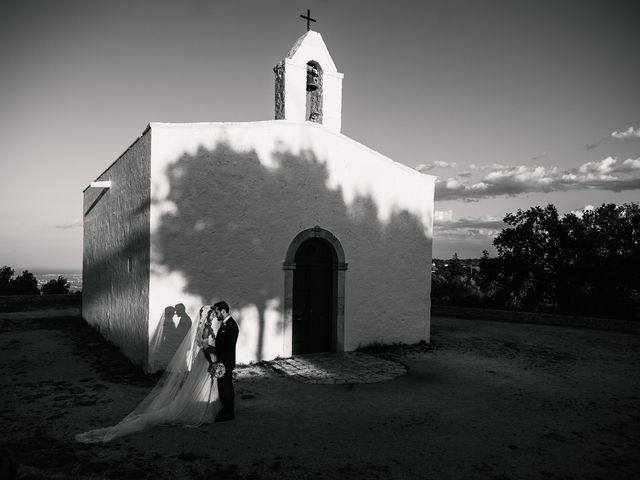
[(585, 265), (27, 284)]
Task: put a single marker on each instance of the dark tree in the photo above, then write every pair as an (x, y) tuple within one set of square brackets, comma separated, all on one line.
[(572, 265), (456, 267), (609, 271), (24, 284), (55, 286), (529, 255), (455, 285), (491, 280), (5, 280)]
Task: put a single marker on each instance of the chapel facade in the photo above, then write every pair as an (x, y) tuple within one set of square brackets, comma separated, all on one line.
[(317, 242)]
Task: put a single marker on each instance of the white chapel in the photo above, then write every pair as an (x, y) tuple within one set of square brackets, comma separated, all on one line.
[(317, 242)]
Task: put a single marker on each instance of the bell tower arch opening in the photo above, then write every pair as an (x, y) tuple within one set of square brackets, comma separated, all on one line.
[(314, 92), (314, 271)]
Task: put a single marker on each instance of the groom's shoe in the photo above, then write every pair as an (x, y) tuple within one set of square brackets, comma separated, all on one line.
[(224, 417)]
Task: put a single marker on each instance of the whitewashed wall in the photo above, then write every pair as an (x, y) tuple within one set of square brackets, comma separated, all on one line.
[(115, 269), (227, 199)]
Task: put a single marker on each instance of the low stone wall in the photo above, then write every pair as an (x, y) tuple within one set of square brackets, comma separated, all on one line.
[(626, 326)]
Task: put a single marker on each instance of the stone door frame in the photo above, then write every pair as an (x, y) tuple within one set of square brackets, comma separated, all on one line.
[(339, 272)]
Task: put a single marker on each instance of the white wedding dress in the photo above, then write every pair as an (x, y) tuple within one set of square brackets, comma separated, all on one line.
[(186, 394)]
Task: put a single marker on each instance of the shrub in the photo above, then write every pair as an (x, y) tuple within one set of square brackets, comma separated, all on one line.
[(5, 280), (24, 284), (55, 286)]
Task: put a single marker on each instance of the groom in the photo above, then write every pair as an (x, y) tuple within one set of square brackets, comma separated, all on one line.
[(225, 351)]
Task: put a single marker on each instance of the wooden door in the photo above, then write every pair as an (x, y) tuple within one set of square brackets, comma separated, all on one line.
[(313, 297)]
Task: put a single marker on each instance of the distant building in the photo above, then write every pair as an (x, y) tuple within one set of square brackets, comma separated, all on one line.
[(317, 242)]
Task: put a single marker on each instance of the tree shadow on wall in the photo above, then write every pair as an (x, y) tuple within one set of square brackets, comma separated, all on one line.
[(234, 219)]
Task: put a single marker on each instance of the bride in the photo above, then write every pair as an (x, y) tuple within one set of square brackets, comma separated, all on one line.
[(186, 394)]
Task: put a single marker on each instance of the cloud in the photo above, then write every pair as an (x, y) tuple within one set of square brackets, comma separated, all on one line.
[(443, 216), (425, 167), (597, 143), (485, 226), (606, 174), (603, 166), (580, 213), (484, 222), (68, 225), (481, 230), (609, 166), (441, 164), (628, 133), (491, 166), (630, 164)]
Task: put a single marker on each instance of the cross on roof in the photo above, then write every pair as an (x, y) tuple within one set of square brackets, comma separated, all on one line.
[(308, 18)]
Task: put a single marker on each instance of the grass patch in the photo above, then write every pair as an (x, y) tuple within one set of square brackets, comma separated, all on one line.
[(24, 303)]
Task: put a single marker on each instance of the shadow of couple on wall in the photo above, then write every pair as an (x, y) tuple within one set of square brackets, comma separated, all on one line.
[(232, 219), (172, 328)]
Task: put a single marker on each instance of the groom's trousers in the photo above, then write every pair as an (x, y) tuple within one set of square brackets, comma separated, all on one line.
[(227, 394)]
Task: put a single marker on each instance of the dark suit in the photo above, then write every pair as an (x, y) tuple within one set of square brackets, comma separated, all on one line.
[(225, 351)]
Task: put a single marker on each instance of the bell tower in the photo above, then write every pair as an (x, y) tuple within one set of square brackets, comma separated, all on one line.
[(308, 86)]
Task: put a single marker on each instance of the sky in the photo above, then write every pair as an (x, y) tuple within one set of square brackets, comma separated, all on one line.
[(511, 104)]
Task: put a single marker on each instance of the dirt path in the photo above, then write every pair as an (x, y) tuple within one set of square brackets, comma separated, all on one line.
[(486, 400)]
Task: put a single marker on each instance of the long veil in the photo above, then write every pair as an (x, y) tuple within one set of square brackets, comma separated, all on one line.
[(185, 394)]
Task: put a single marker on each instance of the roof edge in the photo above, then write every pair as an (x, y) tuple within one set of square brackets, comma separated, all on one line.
[(144, 132), (318, 126)]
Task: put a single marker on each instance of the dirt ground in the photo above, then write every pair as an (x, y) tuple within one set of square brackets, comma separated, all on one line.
[(486, 400)]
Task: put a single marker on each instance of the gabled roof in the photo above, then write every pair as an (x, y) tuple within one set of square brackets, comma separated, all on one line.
[(311, 46), (320, 129)]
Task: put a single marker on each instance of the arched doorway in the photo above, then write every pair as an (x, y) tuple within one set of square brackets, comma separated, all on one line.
[(314, 293)]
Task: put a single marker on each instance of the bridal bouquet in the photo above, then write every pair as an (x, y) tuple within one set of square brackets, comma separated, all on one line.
[(216, 370)]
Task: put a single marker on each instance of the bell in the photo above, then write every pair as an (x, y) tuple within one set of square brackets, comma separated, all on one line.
[(313, 78)]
